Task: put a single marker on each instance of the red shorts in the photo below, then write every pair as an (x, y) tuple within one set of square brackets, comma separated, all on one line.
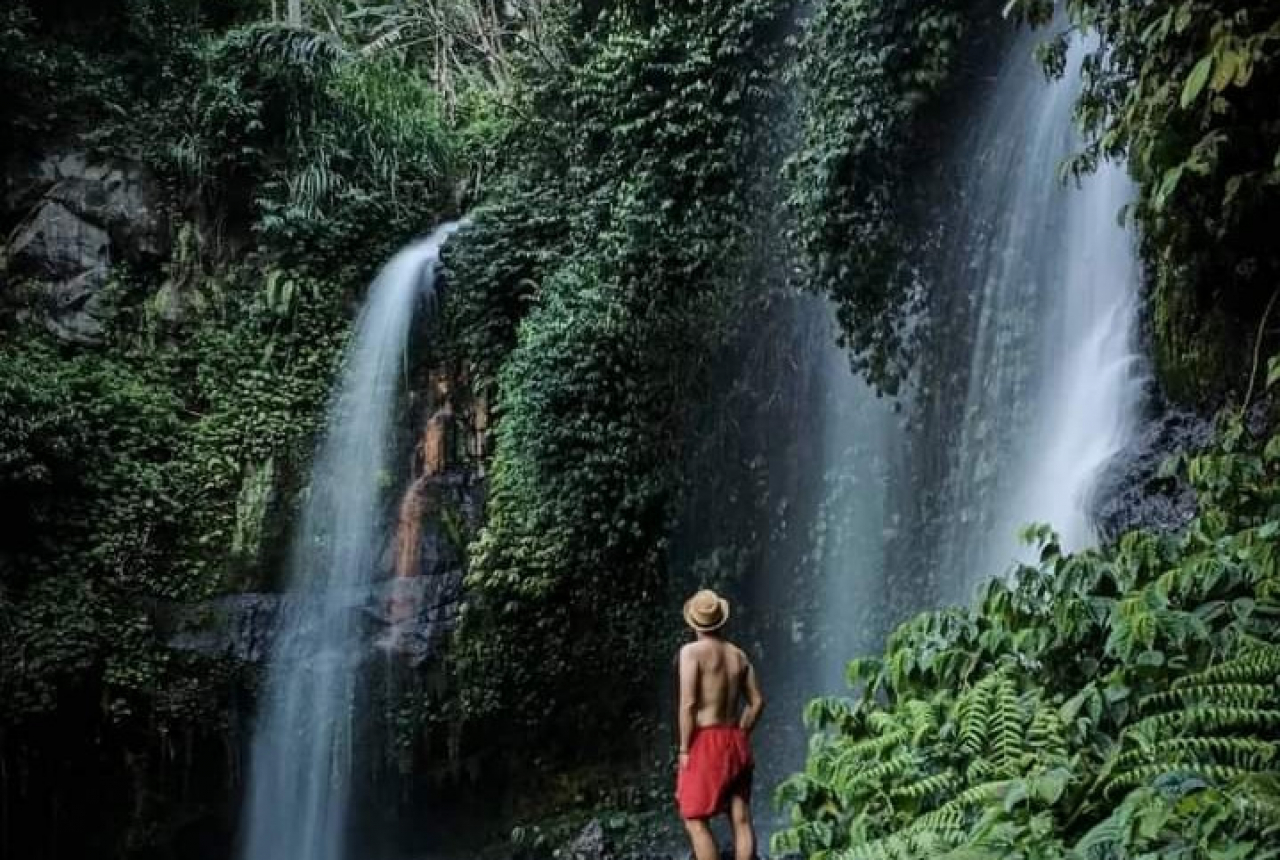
[(720, 766)]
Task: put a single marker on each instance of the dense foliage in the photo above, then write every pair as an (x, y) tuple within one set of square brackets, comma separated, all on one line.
[(1111, 703), (872, 75), (616, 298), (1115, 703), (1185, 93)]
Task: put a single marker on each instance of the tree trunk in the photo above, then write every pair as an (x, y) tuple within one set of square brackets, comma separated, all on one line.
[(295, 13)]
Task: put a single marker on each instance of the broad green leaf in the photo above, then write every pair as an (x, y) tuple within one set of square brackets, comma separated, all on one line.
[(1273, 370), (1168, 184), (1196, 80), (1224, 71)]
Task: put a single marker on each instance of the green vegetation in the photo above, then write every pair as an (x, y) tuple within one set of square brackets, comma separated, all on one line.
[(872, 75), (1117, 703), (159, 467), (610, 276), (1110, 704)]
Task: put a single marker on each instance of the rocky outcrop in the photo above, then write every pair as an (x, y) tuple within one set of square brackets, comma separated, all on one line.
[(1135, 494), (417, 596), (239, 626), (76, 218), (593, 843)]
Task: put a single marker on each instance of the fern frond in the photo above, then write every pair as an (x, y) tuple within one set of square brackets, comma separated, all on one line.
[(946, 817), (1255, 665), (1246, 753), (934, 784), (318, 52), (1046, 735), (1206, 719), (980, 770), (1007, 725), (973, 715), (1146, 774), (872, 748), (904, 845), (982, 794), (1236, 695)]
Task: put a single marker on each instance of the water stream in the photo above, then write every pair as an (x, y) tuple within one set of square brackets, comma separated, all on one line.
[(306, 741), (1029, 385)]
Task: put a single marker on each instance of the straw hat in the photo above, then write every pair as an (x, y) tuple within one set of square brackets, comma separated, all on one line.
[(706, 611)]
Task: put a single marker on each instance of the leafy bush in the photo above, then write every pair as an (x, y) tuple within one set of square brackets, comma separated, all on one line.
[(332, 158), (161, 467), (1115, 703)]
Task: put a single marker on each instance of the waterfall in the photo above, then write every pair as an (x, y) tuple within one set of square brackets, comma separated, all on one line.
[(305, 742), (1035, 381), (860, 450)]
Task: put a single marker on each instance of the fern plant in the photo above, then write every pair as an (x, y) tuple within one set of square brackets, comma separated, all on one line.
[(1116, 703)]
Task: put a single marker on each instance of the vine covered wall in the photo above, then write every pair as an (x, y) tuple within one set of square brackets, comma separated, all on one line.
[(613, 301)]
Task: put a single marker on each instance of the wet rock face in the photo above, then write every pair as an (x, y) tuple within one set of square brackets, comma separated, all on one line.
[(76, 218), (239, 626), (1133, 494)]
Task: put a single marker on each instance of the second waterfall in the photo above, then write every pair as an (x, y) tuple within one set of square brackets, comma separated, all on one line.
[(1033, 383)]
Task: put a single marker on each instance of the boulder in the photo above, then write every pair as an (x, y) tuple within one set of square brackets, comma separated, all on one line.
[(589, 844), (1133, 493), (56, 243), (124, 198), (76, 308), (77, 218)]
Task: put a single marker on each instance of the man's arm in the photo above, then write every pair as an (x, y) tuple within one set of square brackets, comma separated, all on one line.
[(688, 699), (755, 701)]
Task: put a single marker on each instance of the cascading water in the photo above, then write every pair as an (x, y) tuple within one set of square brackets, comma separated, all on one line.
[(303, 749), (1037, 331), (860, 450)]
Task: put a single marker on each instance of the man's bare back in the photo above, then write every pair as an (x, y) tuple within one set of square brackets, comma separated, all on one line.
[(724, 684), (720, 702)]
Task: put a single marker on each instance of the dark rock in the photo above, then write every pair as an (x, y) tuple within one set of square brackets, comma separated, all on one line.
[(416, 613), (77, 308), (589, 844), (1134, 495), (122, 197), (57, 243), (77, 218), (239, 626)]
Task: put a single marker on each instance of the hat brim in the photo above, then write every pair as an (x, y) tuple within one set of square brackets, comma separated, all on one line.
[(706, 628)]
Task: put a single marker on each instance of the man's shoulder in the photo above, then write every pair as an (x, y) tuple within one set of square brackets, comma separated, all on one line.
[(738, 652)]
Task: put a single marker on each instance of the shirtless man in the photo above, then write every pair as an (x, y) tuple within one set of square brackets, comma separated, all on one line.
[(720, 702)]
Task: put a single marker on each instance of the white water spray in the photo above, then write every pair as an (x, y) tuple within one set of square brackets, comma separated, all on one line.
[(299, 780), (1054, 383)]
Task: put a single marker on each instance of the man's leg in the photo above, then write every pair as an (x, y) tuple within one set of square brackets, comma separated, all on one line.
[(744, 833), (704, 844)]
